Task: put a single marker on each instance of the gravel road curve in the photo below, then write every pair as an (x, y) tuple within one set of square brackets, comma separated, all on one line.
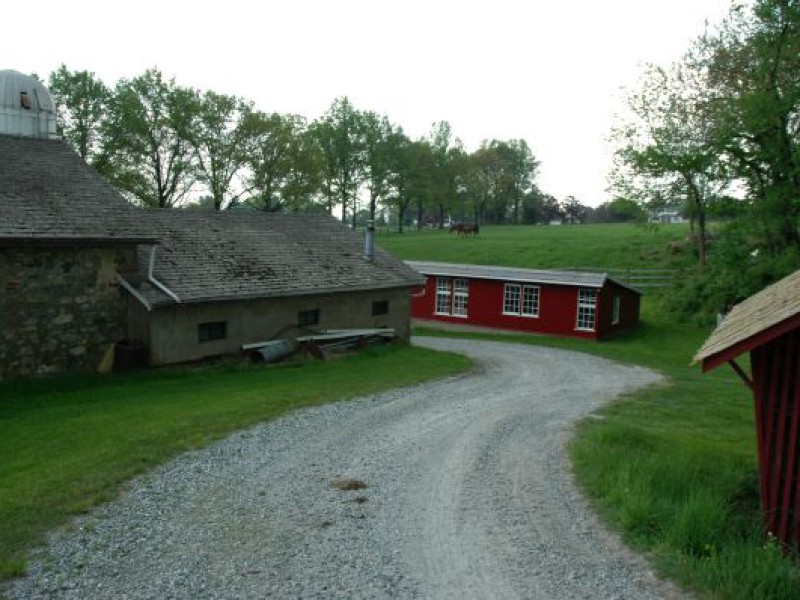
[(468, 494)]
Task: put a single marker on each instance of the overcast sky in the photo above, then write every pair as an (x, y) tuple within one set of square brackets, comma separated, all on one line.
[(547, 71)]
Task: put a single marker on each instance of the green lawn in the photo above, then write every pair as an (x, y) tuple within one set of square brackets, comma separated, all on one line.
[(543, 246), (68, 443)]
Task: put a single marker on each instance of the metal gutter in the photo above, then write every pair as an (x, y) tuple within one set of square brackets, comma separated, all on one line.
[(134, 292), (151, 278)]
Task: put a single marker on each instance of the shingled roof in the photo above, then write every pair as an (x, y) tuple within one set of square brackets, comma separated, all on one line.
[(757, 320), (539, 276), (49, 194), (210, 256)]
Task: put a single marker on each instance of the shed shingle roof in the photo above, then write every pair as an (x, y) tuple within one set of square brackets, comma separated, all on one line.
[(49, 194), (755, 316), (206, 256), (574, 278)]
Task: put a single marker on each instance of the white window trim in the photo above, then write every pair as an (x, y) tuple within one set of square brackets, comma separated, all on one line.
[(521, 300), (460, 290), (535, 314), (440, 291), (593, 306), (452, 292)]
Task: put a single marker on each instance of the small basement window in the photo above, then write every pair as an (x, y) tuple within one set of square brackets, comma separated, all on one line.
[(217, 330), (380, 307), (308, 317)]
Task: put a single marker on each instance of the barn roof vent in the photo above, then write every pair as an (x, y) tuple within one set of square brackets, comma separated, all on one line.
[(26, 107)]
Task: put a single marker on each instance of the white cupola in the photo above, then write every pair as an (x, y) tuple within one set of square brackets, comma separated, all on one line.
[(26, 107)]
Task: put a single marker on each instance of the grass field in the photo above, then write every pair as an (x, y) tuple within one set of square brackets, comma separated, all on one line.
[(540, 246), (69, 443), (673, 468)]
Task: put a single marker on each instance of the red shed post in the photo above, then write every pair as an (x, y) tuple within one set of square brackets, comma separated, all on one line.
[(768, 326)]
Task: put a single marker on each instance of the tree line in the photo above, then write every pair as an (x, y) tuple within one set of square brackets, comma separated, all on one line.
[(720, 130), (165, 146)]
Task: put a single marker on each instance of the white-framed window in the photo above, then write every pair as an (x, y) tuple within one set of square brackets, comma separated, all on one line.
[(587, 305), (460, 297), (521, 300), (511, 296), (615, 310), (442, 296), (530, 301), (452, 296)]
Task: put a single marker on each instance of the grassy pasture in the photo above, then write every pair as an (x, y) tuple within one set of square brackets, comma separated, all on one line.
[(673, 467), (68, 443), (544, 246)]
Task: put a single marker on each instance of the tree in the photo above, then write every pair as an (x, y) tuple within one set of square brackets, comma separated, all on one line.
[(412, 166), (444, 150), (339, 136), (81, 103), (273, 148), (380, 141), (753, 65), (217, 136), (147, 150), (670, 142)]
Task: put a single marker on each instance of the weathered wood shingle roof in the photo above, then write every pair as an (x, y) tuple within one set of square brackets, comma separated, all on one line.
[(49, 194), (755, 321), (207, 256)]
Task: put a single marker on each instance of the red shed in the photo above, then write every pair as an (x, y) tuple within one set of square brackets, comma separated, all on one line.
[(768, 326), (568, 303)]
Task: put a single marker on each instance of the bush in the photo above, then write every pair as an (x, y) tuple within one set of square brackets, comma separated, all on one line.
[(738, 267)]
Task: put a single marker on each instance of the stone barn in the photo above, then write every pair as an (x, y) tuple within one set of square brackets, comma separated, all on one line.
[(64, 233)]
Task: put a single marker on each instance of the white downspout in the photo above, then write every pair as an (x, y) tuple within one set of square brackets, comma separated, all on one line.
[(151, 278)]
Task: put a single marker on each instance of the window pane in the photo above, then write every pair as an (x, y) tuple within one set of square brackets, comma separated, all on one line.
[(511, 299), (587, 301), (460, 297), (217, 330), (530, 301), (308, 317), (380, 307), (442, 296)]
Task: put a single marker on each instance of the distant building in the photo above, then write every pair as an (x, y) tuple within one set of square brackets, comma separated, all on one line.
[(565, 303), (667, 216)]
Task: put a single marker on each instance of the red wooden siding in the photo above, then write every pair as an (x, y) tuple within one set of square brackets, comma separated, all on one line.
[(775, 368), (558, 305)]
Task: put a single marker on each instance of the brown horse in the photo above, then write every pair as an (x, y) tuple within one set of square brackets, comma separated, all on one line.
[(468, 229)]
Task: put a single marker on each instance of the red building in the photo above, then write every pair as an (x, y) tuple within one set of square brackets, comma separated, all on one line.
[(767, 325), (567, 303)]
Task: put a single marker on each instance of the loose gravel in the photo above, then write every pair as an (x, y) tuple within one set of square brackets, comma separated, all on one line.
[(459, 488)]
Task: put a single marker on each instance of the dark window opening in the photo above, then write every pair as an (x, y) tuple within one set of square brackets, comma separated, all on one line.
[(24, 100), (380, 307), (308, 317), (218, 330)]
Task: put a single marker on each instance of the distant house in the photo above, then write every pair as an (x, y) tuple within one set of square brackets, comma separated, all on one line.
[(667, 216), (565, 303), (81, 269), (217, 281)]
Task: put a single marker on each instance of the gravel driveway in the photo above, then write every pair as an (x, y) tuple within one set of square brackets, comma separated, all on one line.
[(467, 495)]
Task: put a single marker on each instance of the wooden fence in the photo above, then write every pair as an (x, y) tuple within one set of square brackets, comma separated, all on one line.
[(642, 279)]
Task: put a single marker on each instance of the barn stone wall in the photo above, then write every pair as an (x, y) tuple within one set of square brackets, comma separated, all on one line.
[(60, 307)]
